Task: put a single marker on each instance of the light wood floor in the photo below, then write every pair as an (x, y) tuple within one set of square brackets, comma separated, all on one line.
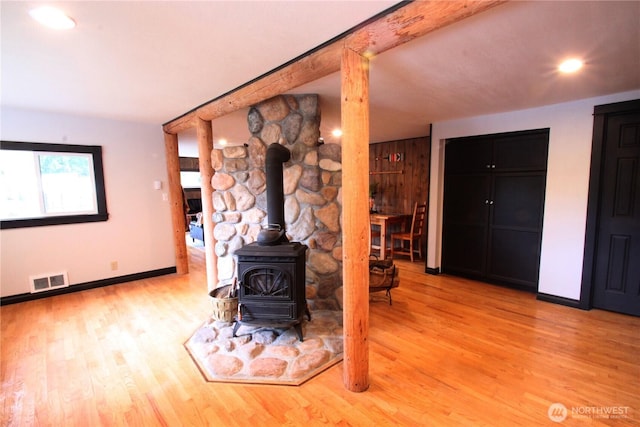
[(448, 352)]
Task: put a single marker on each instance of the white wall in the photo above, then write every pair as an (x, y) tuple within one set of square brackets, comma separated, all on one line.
[(571, 126), (138, 232)]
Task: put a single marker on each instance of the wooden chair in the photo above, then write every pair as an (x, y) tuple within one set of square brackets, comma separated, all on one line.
[(375, 234), (413, 237)]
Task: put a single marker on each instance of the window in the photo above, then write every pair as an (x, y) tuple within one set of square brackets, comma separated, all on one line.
[(50, 184), (190, 179)]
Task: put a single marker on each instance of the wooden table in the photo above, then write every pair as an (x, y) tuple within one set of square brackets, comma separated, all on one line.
[(385, 221)]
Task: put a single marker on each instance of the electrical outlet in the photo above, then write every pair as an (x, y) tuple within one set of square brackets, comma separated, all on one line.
[(114, 265)]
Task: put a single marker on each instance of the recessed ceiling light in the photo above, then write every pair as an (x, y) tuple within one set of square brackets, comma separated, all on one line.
[(336, 132), (222, 141), (52, 18), (570, 65)]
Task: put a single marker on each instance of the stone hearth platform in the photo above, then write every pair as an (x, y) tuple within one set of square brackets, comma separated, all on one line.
[(263, 355)]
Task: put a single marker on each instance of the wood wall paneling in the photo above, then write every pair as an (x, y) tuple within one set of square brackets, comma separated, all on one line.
[(402, 183), (189, 164)]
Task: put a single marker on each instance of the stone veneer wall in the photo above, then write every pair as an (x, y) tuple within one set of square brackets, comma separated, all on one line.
[(312, 188)]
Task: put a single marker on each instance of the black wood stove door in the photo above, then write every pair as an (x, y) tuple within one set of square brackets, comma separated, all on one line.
[(266, 282), (267, 292)]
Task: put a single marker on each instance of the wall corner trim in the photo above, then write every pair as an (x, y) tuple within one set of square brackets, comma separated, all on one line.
[(560, 300), (432, 270)]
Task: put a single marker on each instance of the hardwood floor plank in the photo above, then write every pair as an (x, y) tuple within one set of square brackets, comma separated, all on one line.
[(449, 351)]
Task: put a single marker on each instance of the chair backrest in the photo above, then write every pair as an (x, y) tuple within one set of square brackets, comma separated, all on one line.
[(419, 214)]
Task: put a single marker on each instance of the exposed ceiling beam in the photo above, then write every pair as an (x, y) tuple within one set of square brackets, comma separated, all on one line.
[(412, 20)]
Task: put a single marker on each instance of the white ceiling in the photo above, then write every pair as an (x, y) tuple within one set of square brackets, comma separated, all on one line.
[(152, 61)]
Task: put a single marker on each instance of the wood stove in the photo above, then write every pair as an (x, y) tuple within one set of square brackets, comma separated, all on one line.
[(271, 286), (271, 272)]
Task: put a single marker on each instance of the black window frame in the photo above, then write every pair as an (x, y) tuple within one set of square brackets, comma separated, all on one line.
[(101, 199)]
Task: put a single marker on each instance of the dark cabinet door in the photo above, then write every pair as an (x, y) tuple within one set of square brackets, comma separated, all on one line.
[(468, 155), (521, 151), (466, 212), (515, 228), (493, 207)]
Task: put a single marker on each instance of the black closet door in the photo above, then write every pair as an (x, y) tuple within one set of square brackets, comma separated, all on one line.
[(465, 225), (515, 230), (521, 151), (469, 155), (493, 207)]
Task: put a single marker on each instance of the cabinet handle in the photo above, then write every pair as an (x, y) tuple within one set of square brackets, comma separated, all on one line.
[(491, 202), (493, 166), (486, 202), (488, 166)]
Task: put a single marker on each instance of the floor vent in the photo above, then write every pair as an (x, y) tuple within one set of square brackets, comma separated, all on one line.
[(46, 282)]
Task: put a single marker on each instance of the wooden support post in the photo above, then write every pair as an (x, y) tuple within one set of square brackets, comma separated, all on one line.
[(205, 145), (355, 208), (176, 199)]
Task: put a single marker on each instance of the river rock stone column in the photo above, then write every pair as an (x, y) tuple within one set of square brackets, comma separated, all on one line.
[(312, 188)]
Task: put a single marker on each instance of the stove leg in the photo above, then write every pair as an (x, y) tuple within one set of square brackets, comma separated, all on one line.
[(235, 328), (298, 327), (307, 312)]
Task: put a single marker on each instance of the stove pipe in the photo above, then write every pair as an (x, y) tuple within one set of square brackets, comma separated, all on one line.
[(275, 233)]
